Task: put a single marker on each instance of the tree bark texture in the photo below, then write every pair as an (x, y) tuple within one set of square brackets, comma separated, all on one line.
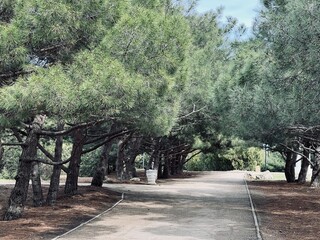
[(18, 195), (36, 185), (290, 166), (133, 151), (155, 156), (55, 177), (1, 157), (71, 186), (128, 149), (165, 165), (315, 179), (122, 159), (101, 169), (304, 167)]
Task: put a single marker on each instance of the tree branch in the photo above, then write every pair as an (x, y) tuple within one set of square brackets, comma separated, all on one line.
[(50, 156), (104, 136), (16, 134), (14, 144), (299, 153), (45, 161), (182, 151), (184, 146), (67, 131), (45, 152), (15, 74), (104, 142), (306, 148), (187, 160), (193, 112)]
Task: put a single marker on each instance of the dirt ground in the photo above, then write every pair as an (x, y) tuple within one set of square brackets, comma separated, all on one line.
[(48, 222), (285, 211)]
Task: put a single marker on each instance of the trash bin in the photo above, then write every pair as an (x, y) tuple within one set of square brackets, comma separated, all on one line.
[(152, 176)]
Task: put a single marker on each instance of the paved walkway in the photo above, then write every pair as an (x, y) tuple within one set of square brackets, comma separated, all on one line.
[(214, 205)]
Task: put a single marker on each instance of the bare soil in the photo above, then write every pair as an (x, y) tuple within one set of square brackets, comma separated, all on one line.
[(48, 222), (286, 211)]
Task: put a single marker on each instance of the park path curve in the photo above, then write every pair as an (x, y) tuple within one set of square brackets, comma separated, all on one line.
[(213, 205)]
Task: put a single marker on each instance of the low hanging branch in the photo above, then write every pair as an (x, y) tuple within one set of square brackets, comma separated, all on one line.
[(64, 132), (185, 146), (197, 153), (5, 76), (45, 152), (183, 151), (50, 156), (46, 161), (307, 133), (67, 131), (18, 137), (103, 136), (311, 139), (14, 144), (299, 153), (17, 132), (311, 150), (105, 141)]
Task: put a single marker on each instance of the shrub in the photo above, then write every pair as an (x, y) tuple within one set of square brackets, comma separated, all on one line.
[(10, 163), (275, 162)]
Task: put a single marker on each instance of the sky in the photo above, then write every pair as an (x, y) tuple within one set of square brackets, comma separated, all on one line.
[(244, 10)]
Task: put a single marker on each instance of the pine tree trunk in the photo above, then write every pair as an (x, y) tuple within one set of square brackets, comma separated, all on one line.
[(1, 156), (181, 163), (290, 166), (19, 193), (36, 185), (161, 166), (304, 167), (166, 167), (154, 159), (122, 163), (55, 177), (134, 147), (101, 169), (171, 164), (71, 186), (120, 160), (315, 180), (174, 164)]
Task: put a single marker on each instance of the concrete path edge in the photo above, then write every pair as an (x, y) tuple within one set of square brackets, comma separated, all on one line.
[(256, 223), (90, 220)]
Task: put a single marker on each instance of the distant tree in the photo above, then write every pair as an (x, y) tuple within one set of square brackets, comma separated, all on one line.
[(275, 100)]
